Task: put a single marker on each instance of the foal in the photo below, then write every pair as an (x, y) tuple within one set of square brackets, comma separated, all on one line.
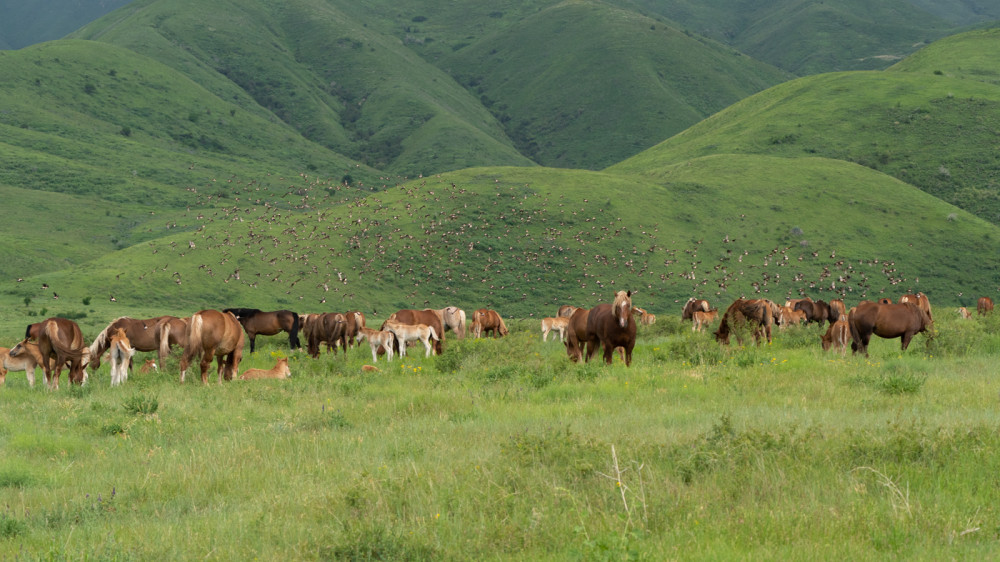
[(279, 371), (377, 338), (560, 324), (406, 333), (121, 354)]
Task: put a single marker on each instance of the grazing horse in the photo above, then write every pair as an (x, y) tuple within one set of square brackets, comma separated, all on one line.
[(143, 335), (256, 322), (816, 311), (888, 321), (121, 356), (758, 314), (789, 316), (576, 334), (412, 332), (645, 318), (377, 339), (611, 326), (329, 327), (837, 335), (486, 320), (559, 324), (61, 339), (692, 305), (566, 311), (984, 305), (837, 309), (212, 335), (920, 300), (700, 319), (279, 371), (964, 313), (413, 317), (354, 321), (27, 362)]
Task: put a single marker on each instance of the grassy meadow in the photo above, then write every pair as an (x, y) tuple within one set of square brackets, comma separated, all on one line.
[(503, 449)]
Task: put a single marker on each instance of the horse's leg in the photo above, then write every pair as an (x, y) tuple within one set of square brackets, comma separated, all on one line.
[(253, 340), (374, 347), (30, 373), (907, 336), (207, 356), (427, 346)]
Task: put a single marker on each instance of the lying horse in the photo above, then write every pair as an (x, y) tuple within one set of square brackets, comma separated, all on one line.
[(279, 371), (121, 357), (559, 324), (213, 335), (888, 321), (610, 326), (756, 314), (412, 332), (153, 334), (61, 339), (378, 339), (413, 317), (256, 322), (486, 320)]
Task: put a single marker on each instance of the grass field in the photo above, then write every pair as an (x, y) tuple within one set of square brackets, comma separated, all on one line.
[(504, 449)]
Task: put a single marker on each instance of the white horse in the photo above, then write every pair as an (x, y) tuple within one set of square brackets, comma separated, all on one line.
[(376, 339), (407, 333), (560, 324), (121, 354)]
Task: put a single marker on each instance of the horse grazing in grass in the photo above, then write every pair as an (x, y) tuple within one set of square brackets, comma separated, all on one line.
[(378, 339), (485, 321), (59, 339), (692, 305), (837, 310), (837, 335), (576, 334), (279, 371), (354, 321), (213, 335), (412, 332), (121, 356), (700, 319), (413, 317), (984, 305), (143, 335), (256, 322), (329, 327), (559, 324), (645, 318), (27, 362), (756, 314), (610, 326), (889, 321)]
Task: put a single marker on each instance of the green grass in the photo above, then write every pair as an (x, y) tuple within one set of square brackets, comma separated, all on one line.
[(504, 449)]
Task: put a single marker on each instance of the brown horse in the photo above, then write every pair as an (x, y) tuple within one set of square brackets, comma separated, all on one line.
[(329, 327), (886, 321), (837, 309), (984, 305), (144, 335), (566, 311), (256, 322), (61, 339), (692, 305), (413, 317), (920, 300), (279, 371), (576, 334), (611, 326), (486, 320), (757, 314), (837, 335), (816, 311), (213, 335), (355, 320)]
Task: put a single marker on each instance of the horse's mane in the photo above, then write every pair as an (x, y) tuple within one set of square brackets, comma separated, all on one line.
[(101, 341), (241, 312)]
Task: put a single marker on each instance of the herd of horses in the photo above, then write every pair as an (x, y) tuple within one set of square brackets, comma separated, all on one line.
[(218, 335)]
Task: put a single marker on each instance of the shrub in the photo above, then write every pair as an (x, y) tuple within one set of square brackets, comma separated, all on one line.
[(138, 404)]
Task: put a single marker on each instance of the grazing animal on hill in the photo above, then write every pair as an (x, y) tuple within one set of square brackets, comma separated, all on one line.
[(121, 356), (27, 362), (413, 317), (920, 300), (213, 335), (412, 332), (645, 318), (964, 313), (789, 316), (329, 327), (559, 324), (700, 319), (886, 321), (486, 321), (755, 314), (610, 326), (692, 305), (837, 309), (576, 334), (816, 311), (154, 334), (279, 371), (256, 322), (566, 311), (452, 318), (837, 335), (984, 305), (378, 339), (61, 339), (354, 321)]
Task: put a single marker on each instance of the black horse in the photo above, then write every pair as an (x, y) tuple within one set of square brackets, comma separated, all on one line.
[(256, 322)]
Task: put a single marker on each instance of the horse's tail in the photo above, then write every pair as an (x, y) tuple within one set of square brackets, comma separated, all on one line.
[(434, 335), (163, 332), (293, 334), (74, 353), (193, 345)]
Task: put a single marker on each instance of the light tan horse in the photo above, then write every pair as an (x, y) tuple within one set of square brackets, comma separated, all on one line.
[(279, 371), (377, 339), (412, 332), (559, 324), (452, 318), (838, 335), (964, 313), (121, 355), (213, 335), (700, 319), (27, 362)]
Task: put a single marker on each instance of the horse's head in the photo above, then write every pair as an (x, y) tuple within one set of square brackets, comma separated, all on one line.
[(19, 348), (622, 307)]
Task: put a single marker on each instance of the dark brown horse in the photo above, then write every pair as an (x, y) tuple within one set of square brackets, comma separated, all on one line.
[(889, 321), (758, 315), (256, 322), (692, 305), (576, 334), (413, 317), (59, 339), (486, 321), (213, 335), (329, 327), (610, 326), (816, 311), (984, 305), (144, 335)]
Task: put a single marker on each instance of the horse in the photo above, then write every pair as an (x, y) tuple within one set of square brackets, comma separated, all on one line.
[(143, 335), (837, 309), (838, 334), (692, 305), (816, 311), (256, 322), (413, 317), (559, 324), (611, 326), (215, 335), (964, 313), (700, 319), (789, 316), (149, 365), (27, 362), (984, 305), (61, 339), (279, 371), (645, 318), (576, 334), (354, 321), (486, 320), (566, 311), (920, 300), (412, 332), (888, 321), (121, 356), (377, 339), (452, 318), (758, 314), (329, 327)]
